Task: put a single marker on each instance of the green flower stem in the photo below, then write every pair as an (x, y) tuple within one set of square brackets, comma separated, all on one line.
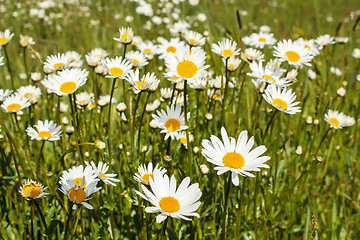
[(77, 130), (25, 64), (187, 130), (226, 200), (109, 120), (9, 67), (39, 160), (140, 123), (42, 218), (68, 222), (225, 91)]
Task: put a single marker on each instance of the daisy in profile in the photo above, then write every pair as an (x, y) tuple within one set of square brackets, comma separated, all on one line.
[(83, 99), (145, 173), (349, 121), (260, 40), (15, 103), (169, 200), (226, 48), (74, 59), (117, 67), (4, 94), (167, 47), (78, 184), (309, 44), (47, 130), (234, 155), (126, 35), (171, 122), (56, 62), (194, 39), (32, 190), (268, 75), (94, 57), (251, 54), (233, 63), (181, 136), (31, 92), (5, 37), (324, 40), (337, 120), (179, 28), (137, 59), (356, 53), (185, 64), (147, 82), (26, 41), (149, 49), (281, 99), (100, 171), (66, 82), (292, 52)]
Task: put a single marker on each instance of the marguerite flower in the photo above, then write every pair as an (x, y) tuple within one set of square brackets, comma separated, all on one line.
[(147, 82), (74, 59), (57, 62), (149, 49), (94, 57), (233, 63), (268, 75), (309, 44), (83, 99), (251, 54), (234, 155), (194, 38), (26, 41), (31, 92), (292, 52), (181, 136), (226, 48), (186, 64), (260, 40), (171, 122), (281, 99), (117, 67), (324, 40), (47, 130), (78, 184), (137, 59), (126, 35), (145, 173), (169, 47), (171, 201), (66, 82), (32, 190), (335, 119), (5, 37), (356, 53), (4, 94), (100, 171), (15, 103)]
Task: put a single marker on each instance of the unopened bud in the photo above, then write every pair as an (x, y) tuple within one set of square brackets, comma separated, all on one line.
[(99, 144), (204, 169)]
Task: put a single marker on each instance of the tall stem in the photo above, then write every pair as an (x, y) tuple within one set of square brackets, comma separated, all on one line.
[(255, 198), (187, 130), (109, 120), (67, 223), (9, 67), (32, 221), (269, 123), (25, 63), (141, 119), (226, 200), (225, 91), (40, 214), (76, 126), (321, 141), (39, 159)]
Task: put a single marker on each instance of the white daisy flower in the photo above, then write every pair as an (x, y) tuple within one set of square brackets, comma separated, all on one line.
[(148, 81), (335, 119), (56, 62), (117, 67), (251, 54), (309, 44), (181, 136), (94, 57), (194, 38), (74, 59), (185, 64), (78, 184), (100, 171), (4, 94), (226, 48), (137, 59), (169, 200), (171, 122), (32, 190), (145, 173), (218, 80), (349, 121), (324, 40), (149, 49), (233, 63), (268, 75), (15, 103), (83, 99), (292, 52), (126, 35), (356, 53), (31, 92), (179, 28), (26, 41), (166, 93), (260, 40), (234, 155), (281, 99), (66, 82), (5, 37), (168, 47), (47, 130)]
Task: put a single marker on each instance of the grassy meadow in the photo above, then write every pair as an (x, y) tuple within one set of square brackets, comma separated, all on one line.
[(311, 189)]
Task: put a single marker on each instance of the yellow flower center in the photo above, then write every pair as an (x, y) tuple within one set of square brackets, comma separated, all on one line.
[(186, 69), (59, 66), (334, 121), (141, 84), (78, 181), (216, 96), (99, 56), (171, 49), (3, 40), (32, 190), (146, 177), (78, 194), (233, 160), (279, 104), (102, 176), (116, 72), (174, 78), (28, 95), (292, 56), (193, 41), (125, 36), (169, 204), (172, 124), (135, 61), (231, 66), (183, 141), (44, 134), (262, 39), (147, 50), (227, 53), (13, 107), (68, 87), (92, 105)]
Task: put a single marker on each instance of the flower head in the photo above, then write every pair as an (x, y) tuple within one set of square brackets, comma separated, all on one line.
[(145, 173), (100, 171), (281, 99), (32, 190), (47, 130)]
